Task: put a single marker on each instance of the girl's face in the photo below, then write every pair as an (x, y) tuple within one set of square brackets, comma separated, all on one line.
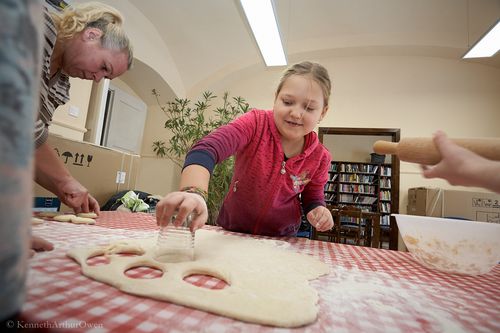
[(298, 107)]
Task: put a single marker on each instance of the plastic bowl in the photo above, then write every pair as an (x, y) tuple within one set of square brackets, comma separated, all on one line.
[(451, 245)]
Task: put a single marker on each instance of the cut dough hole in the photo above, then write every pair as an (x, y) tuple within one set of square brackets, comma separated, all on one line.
[(102, 257), (144, 272), (98, 260), (124, 249), (206, 281)]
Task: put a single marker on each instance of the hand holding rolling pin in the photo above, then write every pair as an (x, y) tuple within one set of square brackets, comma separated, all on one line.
[(466, 162)]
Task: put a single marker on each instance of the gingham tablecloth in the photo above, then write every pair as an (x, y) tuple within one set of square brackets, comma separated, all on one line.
[(368, 290)]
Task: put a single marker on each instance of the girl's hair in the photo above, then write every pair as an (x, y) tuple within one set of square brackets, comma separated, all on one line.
[(77, 18), (315, 70)]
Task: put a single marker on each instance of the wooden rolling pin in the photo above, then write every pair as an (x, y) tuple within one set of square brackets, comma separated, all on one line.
[(423, 150)]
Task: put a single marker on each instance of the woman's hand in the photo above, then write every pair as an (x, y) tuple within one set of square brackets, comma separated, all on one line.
[(320, 218), (51, 174), (76, 196), (182, 204)]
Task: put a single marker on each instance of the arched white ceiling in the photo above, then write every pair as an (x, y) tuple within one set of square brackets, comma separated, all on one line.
[(206, 40)]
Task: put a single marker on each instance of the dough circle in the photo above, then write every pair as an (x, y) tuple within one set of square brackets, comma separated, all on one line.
[(267, 285)]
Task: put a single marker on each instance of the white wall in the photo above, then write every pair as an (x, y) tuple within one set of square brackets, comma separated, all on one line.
[(67, 125), (416, 94), (157, 175)]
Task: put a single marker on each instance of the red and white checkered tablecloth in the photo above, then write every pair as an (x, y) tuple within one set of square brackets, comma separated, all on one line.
[(368, 290)]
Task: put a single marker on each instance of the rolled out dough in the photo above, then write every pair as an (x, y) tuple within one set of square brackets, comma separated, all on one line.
[(267, 284)]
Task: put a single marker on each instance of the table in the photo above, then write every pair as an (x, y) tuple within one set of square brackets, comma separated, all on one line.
[(368, 290)]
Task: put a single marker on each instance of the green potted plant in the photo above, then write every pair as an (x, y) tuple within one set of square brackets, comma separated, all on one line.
[(190, 121)]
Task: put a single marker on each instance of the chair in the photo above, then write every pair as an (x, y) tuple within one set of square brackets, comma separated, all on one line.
[(385, 236), (351, 223), (351, 228)]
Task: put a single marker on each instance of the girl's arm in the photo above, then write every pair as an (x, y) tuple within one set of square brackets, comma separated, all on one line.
[(182, 203), (199, 164)]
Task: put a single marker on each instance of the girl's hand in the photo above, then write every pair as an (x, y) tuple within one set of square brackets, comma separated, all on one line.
[(320, 218), (182, 204)]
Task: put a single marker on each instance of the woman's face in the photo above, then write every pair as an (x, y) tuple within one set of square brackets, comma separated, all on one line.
[(85, 58), (298, 107)]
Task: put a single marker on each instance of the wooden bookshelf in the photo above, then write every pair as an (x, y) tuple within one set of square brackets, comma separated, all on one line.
[(366, 186)]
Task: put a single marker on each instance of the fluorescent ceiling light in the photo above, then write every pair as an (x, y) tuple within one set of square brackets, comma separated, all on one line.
[(260, 16), (488, 45)]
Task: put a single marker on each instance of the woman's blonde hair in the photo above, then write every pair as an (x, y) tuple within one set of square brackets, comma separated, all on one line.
[(75, 19), (315, 70)]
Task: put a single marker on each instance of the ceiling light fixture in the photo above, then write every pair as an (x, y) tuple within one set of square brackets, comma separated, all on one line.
[(488, 45), (261, 17)]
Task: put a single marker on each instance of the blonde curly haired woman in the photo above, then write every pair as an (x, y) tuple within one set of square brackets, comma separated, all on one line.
[(86, 41)]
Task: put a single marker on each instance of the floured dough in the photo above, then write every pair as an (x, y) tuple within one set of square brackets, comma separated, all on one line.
[(266, 283), (73, 219)]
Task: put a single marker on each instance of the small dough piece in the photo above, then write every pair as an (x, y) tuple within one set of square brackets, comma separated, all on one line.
[(90, 215), (48, 214), (74, 219), (82, 220), (36, 221), (64, 218)]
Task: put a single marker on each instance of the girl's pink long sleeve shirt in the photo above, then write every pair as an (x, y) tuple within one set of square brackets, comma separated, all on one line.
[(263, 197)]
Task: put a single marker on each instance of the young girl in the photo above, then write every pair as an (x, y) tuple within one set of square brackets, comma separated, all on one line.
[(278, 157)]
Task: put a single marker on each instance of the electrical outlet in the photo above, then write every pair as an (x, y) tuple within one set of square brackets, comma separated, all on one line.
[(74, 111), (120, 177)]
